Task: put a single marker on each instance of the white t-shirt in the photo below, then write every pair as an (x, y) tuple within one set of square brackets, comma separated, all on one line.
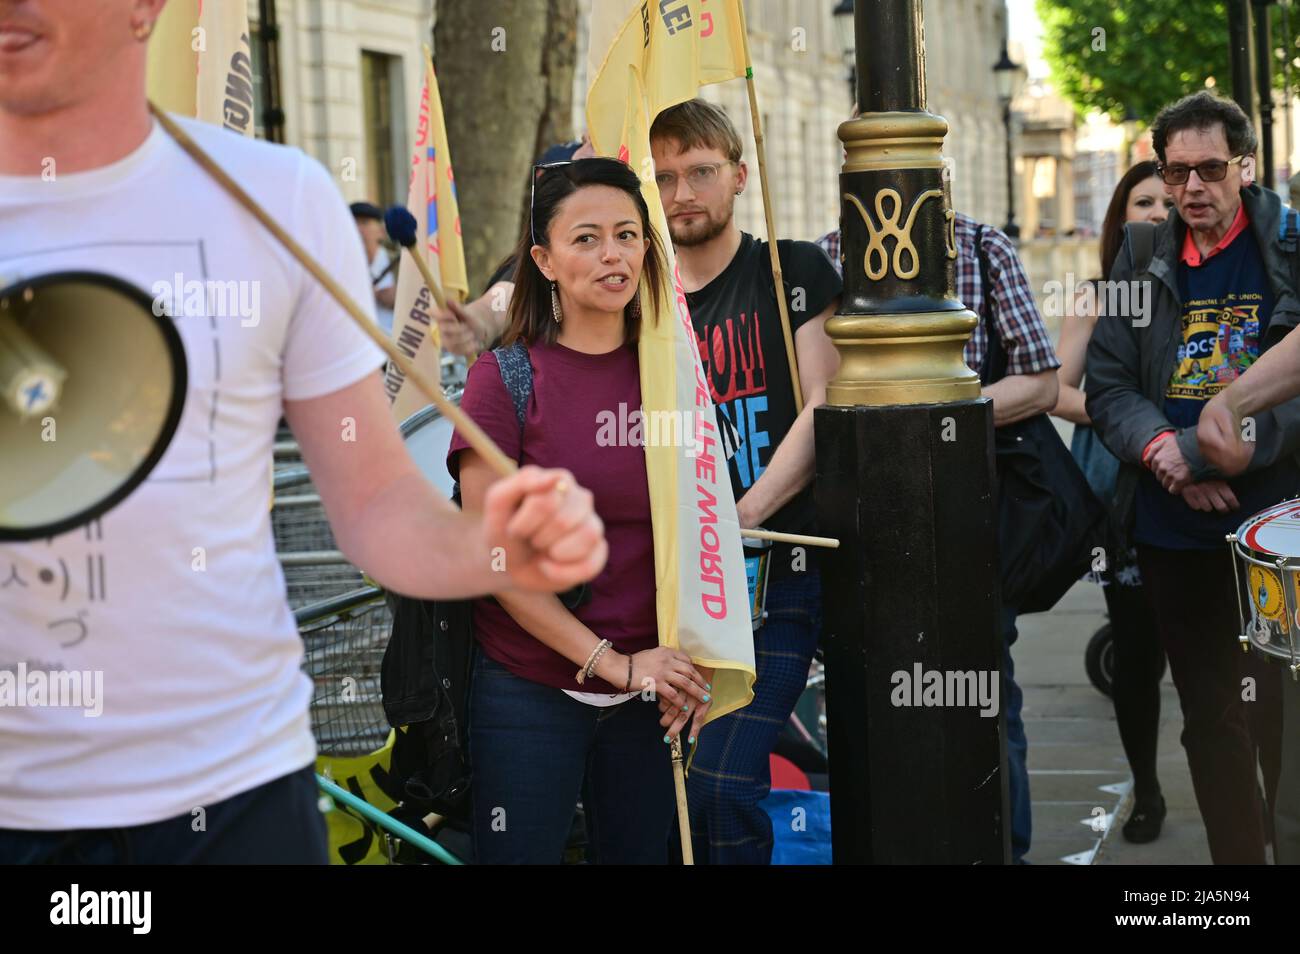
[(176, 596), (378, 266)]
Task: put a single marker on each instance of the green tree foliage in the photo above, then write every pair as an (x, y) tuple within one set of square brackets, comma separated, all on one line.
[(1112, 54)]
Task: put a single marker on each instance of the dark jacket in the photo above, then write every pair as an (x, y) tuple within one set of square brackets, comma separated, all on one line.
[(1131, 358)]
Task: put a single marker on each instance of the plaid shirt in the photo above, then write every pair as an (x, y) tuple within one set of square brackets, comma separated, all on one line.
[(1024, 336)]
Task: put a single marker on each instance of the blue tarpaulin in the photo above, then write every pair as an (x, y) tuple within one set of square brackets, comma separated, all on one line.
[(801, 827)]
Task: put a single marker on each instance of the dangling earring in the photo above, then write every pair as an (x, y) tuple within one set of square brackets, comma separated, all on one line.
[(143, 30), (636, 306), (555, 305)]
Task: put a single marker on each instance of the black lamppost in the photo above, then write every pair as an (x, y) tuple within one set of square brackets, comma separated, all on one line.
[(1008, 76), (905, 481), (843, 17), (1264, 83), (1240, 49)]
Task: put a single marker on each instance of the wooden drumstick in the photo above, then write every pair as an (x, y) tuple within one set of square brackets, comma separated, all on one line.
[(777, 536), (473, 434)]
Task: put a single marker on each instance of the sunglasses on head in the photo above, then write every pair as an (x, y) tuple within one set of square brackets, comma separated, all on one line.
[(1212, 170), (538, 171)]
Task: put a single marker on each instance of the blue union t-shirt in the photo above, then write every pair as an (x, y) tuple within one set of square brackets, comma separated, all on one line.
[(1227, 305)]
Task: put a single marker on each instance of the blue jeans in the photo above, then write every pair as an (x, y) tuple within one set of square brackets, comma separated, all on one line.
[(535, 751), (276, 823), (730, 774), (1017, 745)]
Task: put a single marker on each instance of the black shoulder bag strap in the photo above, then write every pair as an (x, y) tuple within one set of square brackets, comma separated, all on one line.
[(994, 366)]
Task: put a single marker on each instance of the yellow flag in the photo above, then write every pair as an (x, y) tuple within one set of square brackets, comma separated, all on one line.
[(225, 66), (172, 76), (646, 57), (431, 198)]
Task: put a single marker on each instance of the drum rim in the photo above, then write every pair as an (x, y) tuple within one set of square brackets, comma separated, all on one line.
[(428, 413), (1263, 557)]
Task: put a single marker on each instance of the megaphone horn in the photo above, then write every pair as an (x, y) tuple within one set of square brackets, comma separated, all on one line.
[(92, 385)]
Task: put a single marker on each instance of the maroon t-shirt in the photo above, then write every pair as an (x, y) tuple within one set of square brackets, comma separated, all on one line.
[(573, 395)]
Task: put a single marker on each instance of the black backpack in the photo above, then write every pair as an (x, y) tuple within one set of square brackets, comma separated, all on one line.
[(424, 677)]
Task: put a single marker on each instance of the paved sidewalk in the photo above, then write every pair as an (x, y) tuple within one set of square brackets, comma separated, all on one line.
[(1079, 779)]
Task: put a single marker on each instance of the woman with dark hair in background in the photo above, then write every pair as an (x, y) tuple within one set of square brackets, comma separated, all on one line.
[(556, 708), (1139, 659)]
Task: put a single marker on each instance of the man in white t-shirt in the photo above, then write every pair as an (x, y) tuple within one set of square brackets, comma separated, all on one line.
[(175, 598), (383, 267)]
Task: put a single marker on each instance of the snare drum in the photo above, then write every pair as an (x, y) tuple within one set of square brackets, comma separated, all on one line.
[(1266, 563), (428, 437), (758, 562)]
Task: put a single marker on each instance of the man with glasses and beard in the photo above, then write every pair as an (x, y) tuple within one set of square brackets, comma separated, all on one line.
[(1220, 289), (727, 277)]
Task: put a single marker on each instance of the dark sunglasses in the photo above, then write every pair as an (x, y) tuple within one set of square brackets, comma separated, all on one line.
[(538, 171), (1212, 170)]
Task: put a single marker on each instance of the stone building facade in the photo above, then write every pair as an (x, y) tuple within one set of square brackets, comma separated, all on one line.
[(350, 73)]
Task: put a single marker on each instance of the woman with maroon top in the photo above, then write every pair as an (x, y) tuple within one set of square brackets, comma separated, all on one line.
[(1139, 659), (558, 707)]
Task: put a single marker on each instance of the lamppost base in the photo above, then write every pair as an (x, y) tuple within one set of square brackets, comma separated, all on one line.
[(913, 641)]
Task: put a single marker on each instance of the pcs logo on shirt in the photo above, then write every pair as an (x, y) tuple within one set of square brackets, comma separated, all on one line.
[(1219, 344)]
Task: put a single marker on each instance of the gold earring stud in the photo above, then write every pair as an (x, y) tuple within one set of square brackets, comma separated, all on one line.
[(143, 30)]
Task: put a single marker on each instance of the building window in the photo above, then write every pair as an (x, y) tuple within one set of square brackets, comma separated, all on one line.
[(386, 172)]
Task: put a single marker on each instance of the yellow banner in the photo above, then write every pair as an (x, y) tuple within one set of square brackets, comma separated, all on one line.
[(172, 67), (646, 57), (225, 77), (431, 198)]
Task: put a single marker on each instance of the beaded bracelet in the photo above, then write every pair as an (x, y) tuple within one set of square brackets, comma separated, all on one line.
[(590, 666)]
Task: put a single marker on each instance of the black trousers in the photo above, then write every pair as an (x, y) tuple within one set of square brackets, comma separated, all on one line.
[(1139, 665), (275, 823), (1231, 701)]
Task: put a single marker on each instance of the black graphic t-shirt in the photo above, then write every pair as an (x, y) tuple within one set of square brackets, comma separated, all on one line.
[(743, 351)]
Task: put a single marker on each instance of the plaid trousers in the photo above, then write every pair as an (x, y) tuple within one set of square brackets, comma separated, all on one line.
[(730, 774)]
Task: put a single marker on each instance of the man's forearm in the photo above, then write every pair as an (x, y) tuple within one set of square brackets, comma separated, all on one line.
[(789, 471), (1070, 406), (1018, 396), (1270, 381), (411, 541)]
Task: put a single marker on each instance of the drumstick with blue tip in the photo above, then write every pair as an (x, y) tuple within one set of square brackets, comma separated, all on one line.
[(402, 229), (472, 433)]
